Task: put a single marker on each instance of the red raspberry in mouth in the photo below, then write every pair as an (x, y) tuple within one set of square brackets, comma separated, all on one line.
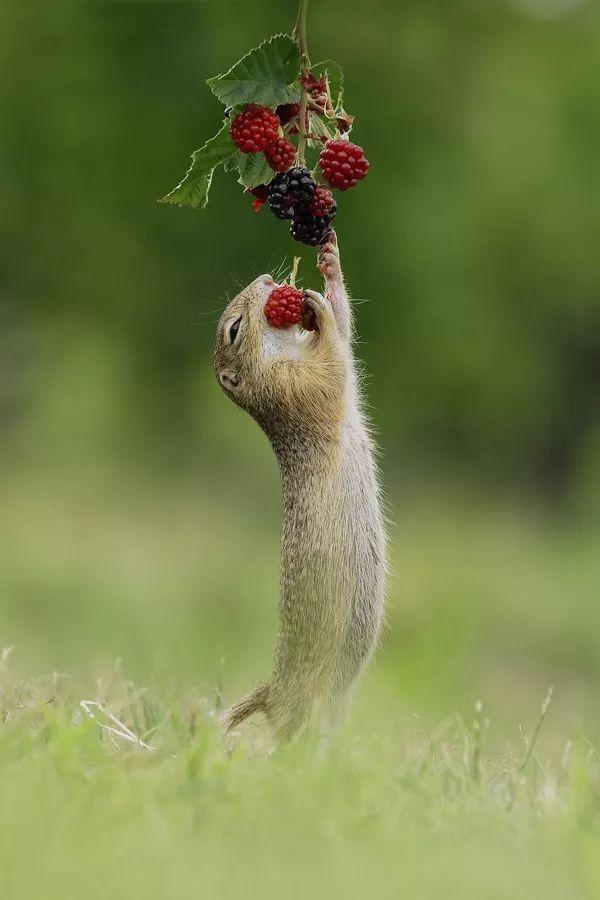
[(254, 128), (284, 306), (343, 164)]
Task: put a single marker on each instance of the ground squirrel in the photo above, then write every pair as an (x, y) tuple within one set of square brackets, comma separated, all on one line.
[(302, 389)]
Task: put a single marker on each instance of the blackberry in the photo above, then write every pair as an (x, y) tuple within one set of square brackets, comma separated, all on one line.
[(286, 112), (280, 155), (280, 203), (290, 190), (312, 221), (310, 229)]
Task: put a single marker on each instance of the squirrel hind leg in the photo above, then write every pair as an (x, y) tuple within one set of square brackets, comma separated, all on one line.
[(337, 707), (255, 701), (290, 714)]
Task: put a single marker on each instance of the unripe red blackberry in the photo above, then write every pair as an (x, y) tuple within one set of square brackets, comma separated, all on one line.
[(280, 155), (254, 128), (323, 203), (290, 190), (284, 306), (343, 164)]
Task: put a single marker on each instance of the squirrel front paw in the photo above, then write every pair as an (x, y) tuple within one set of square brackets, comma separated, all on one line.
[(319, 310), (328, 260)]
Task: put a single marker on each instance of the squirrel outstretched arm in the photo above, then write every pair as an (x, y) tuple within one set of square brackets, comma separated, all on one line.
[(335, 290), (302, 390)]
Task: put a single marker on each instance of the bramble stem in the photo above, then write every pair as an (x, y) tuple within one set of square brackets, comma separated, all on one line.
[(299, 35)]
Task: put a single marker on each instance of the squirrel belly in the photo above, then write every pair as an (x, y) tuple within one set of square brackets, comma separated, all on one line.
[(332, 579), (304, 394)]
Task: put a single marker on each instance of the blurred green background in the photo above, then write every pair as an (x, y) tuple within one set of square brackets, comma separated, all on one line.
[(139, 509)]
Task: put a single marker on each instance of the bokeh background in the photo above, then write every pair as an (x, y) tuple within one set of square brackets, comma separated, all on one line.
[(139, 509)]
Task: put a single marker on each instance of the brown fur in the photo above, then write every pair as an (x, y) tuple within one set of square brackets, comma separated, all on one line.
[(302, 389)]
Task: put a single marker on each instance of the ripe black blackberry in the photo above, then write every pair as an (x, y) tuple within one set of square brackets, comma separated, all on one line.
[(312, 221), (310, 229), (286, 112), (289, 191)]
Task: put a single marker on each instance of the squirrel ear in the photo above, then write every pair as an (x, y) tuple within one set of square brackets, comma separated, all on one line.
[(229, 380)]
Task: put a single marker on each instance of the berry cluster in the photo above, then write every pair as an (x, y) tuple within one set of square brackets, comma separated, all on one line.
[(256, 130), (293, 194)]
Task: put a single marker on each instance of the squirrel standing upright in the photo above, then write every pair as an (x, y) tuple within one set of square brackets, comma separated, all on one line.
[(303, 390)]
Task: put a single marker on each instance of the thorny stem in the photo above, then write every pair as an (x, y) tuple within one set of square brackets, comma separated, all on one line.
[(299, 35)]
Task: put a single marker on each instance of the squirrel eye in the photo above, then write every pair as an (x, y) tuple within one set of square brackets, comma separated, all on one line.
[(233, 329)]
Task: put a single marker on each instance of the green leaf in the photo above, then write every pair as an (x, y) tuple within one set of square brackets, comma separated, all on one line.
[(193, 189), (335, 76), (320, 127), (252, 167), (264, 75)]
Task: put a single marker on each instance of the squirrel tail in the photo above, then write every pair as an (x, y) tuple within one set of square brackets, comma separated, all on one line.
[(255, 701)]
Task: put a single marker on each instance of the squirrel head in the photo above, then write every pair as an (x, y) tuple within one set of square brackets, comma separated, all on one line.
[(270, 372)]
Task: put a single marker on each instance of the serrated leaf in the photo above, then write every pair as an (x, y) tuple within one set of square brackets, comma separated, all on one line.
[(193, 189), (264, 75), (335, 76), (253, 169)]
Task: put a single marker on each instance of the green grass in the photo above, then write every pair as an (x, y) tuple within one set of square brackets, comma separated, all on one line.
[(416, 813), (421, 796)]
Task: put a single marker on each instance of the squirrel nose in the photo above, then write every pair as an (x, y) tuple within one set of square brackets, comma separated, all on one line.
[(265, 279)]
